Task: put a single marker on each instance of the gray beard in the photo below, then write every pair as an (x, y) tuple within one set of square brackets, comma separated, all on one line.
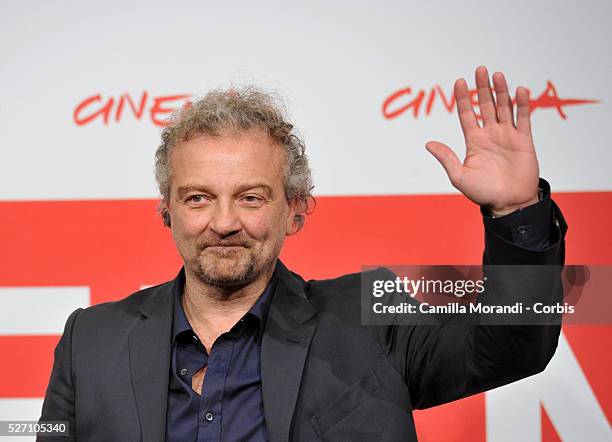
[(233, 281)]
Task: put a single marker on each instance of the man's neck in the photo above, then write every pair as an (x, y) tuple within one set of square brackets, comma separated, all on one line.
[(212, 311)]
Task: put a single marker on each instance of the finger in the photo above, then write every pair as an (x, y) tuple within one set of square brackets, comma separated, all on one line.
[(504, 102), (449, 160), (486, 103), (523, 113), (467, 117)]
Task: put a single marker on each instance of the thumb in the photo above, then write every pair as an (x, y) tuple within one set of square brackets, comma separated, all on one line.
[(449, 160)]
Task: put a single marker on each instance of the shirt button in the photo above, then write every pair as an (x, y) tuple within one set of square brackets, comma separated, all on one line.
[(183, 372), (209, 416), (521, 230)]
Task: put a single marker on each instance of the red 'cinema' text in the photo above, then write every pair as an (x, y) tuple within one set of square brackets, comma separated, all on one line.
[(407, 99), (157, 109), (417, 102)]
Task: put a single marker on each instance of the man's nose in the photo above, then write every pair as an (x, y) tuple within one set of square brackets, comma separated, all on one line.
[(225, 219)]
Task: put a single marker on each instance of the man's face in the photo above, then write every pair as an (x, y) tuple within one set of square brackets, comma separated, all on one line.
[(227, 206)]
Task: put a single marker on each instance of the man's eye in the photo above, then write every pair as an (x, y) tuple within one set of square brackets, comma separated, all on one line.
[(252, 199), (196, 198)]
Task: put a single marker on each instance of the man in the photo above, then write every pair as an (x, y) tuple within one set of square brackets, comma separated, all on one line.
[(237, 347)]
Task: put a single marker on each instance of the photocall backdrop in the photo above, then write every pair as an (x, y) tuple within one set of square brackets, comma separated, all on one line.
[(85, 88)]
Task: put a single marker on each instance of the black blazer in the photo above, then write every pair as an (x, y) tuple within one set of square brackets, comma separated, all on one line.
[(324, 376)]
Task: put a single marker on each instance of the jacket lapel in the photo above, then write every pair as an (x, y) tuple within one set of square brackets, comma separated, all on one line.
[(284, 349), (150, 350)]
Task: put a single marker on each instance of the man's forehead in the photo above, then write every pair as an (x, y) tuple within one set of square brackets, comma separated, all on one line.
[(242, 158), (254, 142), (224, 156)]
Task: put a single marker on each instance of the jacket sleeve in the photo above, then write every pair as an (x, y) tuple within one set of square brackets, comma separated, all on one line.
[(461, 356), (59, 403)]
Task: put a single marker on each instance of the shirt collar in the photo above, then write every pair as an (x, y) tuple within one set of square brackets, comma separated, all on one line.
[(259, 310)]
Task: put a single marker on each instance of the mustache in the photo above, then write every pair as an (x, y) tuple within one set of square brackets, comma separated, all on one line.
[(234, 242), (224, 244)]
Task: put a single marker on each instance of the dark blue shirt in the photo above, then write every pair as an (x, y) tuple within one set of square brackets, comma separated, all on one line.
[(231, 405)]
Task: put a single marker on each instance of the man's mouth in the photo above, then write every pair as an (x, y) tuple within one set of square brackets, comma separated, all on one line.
[(232, 246), (222, 250)]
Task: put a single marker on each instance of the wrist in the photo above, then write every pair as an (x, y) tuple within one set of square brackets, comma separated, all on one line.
[(502, 211)]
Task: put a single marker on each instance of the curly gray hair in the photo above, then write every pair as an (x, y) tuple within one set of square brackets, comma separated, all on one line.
[(236, 110)]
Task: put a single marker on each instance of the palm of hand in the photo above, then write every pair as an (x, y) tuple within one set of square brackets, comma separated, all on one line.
[(500, 169)]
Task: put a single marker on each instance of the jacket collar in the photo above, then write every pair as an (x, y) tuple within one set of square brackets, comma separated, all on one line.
[(290, 327), (149, 354)]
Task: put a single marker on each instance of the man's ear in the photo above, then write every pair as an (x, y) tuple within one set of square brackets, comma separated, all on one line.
[(297, 216), (165, 213)]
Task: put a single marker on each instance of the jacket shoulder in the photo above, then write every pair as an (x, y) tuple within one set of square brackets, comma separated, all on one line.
[(349, 282), (111, 314), (343, 295)]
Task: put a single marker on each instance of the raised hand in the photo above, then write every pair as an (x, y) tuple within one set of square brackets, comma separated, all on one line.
[(500, 169)]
